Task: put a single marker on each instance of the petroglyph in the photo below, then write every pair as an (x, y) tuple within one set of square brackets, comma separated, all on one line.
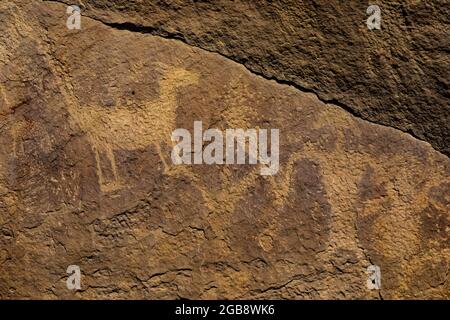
[(17, 131), (3, 101), (348, 193), (123, 128)]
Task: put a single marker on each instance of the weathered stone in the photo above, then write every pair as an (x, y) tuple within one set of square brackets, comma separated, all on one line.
[(397, 76), (86, 178)]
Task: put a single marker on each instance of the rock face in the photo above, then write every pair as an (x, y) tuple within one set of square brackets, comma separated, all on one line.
[(398, 76), (86, 177)]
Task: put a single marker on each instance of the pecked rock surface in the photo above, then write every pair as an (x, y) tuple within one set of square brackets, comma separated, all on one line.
[(86, 178), (397, 76)]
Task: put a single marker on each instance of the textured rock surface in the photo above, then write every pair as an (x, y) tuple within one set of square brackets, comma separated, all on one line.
[(397, 77), (348, 194)]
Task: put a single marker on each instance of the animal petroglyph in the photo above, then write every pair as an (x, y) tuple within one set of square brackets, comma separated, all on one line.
[(132, 128)]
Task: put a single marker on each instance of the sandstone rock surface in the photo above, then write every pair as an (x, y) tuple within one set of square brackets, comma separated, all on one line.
[(86, 177), (397, 76)]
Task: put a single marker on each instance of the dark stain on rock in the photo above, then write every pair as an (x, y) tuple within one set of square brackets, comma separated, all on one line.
[(368, 186), (435, 218)]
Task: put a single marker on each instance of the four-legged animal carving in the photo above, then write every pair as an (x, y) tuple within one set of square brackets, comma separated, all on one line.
[(132, 128)]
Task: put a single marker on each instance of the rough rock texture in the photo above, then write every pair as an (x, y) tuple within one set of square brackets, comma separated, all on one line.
[(86, 176), (398, 76)]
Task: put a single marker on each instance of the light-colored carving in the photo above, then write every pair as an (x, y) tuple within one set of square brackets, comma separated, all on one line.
[(16, 133), (3, 101), (132, 128)]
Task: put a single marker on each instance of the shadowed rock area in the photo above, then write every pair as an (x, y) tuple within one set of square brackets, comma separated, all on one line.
[(86, 177)]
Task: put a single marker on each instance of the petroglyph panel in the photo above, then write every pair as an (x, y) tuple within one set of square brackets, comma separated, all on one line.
[(86, 179)]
